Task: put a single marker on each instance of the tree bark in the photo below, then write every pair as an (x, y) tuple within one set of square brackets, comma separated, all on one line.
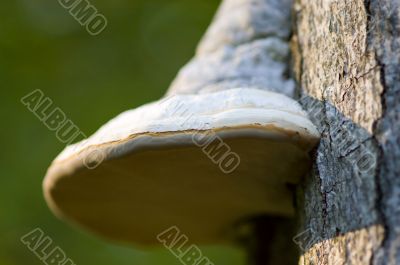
[(346, 58)]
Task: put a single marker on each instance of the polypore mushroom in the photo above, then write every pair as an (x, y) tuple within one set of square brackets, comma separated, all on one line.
[(221, 147)]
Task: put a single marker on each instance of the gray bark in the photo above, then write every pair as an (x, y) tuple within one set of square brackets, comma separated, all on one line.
[(346, 58)]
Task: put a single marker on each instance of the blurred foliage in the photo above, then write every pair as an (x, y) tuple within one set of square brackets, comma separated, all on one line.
[(92, 79)]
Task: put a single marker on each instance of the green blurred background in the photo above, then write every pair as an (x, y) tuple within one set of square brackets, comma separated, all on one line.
[(92, 79)]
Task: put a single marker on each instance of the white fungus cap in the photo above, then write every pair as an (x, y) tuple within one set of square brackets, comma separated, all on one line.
[(199, 162)]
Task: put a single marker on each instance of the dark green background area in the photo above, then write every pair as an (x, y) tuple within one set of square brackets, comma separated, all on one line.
[(92, 79)]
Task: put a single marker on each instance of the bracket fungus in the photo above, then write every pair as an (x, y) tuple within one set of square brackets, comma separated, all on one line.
[(220, 147)]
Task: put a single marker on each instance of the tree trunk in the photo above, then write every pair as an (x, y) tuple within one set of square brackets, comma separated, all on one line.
[(346, 58)]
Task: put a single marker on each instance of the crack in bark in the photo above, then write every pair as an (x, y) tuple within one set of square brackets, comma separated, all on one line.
[(346, 76), (379, 192)]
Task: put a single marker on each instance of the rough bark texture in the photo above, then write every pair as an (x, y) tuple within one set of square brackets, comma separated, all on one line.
[(346, 58)]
